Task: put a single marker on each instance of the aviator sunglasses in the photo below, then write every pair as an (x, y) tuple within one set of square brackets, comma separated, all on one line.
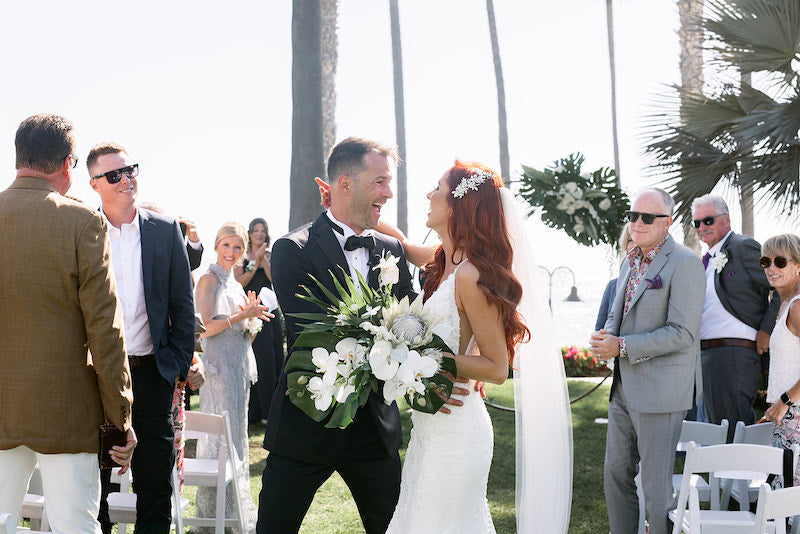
[(766, 261), (131, 171), (647, 218), (708, 221)]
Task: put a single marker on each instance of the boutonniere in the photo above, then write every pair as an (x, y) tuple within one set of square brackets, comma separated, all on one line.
[(655, 283), (719, 259), (249, 265)]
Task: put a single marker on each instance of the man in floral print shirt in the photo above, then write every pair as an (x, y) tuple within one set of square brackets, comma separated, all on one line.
[(737, 317)]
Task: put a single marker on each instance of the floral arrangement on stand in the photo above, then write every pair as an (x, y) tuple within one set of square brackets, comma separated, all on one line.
[(589, 207), (367, 342), (580, 362)]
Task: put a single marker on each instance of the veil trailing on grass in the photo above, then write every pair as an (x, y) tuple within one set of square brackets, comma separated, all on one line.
[(543, 417)]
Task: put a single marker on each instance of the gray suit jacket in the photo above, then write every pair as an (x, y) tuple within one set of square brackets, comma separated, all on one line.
[(742, 286), (661, 331)]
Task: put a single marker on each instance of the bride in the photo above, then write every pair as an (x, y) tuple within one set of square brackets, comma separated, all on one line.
[(480, 284)]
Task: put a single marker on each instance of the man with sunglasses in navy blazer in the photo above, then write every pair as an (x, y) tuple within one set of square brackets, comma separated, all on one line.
[(737, 315), (155, 289)]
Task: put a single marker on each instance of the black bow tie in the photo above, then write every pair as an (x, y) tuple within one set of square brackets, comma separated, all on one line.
[(354, 242)]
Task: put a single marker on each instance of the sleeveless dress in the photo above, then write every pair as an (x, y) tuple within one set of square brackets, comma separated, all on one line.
[(784, 372), (229, 368), (446, 469)]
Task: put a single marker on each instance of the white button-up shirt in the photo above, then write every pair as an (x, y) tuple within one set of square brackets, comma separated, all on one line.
[(716, 321), (126, 256), (357, 259)]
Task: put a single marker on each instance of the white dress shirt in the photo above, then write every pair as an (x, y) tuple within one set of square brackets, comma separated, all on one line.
[(357, 259), (126, 255), (717, 322)]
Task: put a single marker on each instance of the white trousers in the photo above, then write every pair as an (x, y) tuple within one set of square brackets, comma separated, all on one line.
[(71, 485)]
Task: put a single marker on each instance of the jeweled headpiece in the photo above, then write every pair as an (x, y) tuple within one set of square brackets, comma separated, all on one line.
[(471, 181)]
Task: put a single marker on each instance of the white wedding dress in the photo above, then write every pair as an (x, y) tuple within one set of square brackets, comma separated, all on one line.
[(443, 484)]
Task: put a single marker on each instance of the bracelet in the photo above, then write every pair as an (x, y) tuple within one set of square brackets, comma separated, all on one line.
[(229, 321), (786, 400)]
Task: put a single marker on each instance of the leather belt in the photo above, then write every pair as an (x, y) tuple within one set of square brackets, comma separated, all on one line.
[(137, 361), (726, 342)]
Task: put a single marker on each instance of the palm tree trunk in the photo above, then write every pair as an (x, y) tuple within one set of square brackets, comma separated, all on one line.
[(313, 100), (502, 120), (399, 118), (690, 37), (613, 69), (745, 187)]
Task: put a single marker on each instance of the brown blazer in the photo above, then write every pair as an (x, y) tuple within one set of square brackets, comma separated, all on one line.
[(58, 297)]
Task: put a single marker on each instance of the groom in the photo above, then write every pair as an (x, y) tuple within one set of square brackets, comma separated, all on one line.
[(303, 453)]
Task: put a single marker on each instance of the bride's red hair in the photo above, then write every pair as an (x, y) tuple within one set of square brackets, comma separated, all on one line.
[(478, 227)]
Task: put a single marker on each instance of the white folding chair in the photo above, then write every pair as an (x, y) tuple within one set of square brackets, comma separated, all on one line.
[(756, 434), (774, 507), (33, 507), (733, 461), (217, 472), (701, 434), (8, 525), (122, 504)]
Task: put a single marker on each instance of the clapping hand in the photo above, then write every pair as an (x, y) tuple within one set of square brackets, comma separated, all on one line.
[(253, 308)]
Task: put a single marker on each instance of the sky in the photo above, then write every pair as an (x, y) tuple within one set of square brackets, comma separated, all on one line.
[(200, 94)]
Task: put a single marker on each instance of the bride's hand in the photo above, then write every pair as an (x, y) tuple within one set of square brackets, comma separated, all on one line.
[(324, 192), (456, 391)]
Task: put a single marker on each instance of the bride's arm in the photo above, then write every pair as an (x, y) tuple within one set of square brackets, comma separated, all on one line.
[(417, 253), (490, 364)]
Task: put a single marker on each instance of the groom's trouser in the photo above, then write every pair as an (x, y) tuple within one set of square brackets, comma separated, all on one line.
[(634, 436), (289, 485), (71, 484)]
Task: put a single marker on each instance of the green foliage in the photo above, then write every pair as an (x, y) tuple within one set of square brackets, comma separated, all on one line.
[(589, 207)]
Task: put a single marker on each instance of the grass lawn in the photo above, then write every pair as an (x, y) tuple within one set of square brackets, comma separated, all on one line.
[(334, 512)]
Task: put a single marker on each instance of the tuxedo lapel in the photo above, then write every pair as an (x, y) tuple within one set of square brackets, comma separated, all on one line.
[(331, 251), (147, 231), (719, 287)]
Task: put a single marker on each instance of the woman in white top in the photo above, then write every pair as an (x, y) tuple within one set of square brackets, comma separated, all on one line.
[(781, 263)]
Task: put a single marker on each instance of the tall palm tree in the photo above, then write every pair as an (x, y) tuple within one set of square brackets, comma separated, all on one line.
[(740, 134), (690, 38), (313, 102), (399, 118), (502, 120), (613, 69)]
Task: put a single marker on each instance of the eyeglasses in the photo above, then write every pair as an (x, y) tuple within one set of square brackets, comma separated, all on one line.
[(708, 221), (131, 171), (74, 159), (647, 218), (766, 261)]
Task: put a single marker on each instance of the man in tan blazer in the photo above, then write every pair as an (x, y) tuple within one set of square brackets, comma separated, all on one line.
[(59, 299)]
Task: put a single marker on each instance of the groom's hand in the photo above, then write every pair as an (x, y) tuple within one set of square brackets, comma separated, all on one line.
[(456, 391)]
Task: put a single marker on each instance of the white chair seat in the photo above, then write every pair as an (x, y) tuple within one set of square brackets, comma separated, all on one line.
[(203, 472)]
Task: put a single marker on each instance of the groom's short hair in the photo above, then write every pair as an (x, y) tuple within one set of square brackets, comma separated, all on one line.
[(348, 156)]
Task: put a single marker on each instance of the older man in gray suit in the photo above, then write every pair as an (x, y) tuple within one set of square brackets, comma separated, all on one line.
[(652, 333)]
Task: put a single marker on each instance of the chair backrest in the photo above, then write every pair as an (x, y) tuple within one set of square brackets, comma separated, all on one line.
[(757, 434), (199, 423), (703, 433), (776, 505), (739, 461), (7, 524)]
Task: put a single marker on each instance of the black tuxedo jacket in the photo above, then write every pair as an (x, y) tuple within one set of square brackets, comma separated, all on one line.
[(167, 293), (314, 250), (742, 286), (195, 256)]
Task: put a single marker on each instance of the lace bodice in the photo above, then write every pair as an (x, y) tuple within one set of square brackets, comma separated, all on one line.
[(784, 357), (443, 486)]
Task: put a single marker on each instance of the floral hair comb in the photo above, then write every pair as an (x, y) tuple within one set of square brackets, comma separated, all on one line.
[(471, 181)]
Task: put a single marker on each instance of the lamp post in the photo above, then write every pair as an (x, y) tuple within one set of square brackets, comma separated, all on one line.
[(573, 294)]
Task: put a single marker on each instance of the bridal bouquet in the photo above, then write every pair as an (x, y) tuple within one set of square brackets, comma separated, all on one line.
[(366, 342)]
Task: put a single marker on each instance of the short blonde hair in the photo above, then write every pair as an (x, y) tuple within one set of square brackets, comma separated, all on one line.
[(229, 229), (787, 245)]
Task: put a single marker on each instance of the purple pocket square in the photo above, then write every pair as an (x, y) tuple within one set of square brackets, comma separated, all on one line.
[(728, 275), (655, 283)]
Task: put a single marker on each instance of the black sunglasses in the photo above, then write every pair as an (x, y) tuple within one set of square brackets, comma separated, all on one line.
[(131, 171), (766, 261), (647, 218), (708, 221)]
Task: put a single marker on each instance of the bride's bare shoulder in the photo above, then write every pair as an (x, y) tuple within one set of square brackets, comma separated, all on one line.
[(466, 273)]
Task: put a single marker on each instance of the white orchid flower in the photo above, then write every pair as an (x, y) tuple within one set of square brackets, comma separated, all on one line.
[(383, 366), (343, 390), (604, 204), (326, 364), (558, 169), (350, 351), (371, 311), (416, 367), (391, 390), (388, 271), (321, 392)]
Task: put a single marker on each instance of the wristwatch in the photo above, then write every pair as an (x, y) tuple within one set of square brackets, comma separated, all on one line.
[(786, 400)]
